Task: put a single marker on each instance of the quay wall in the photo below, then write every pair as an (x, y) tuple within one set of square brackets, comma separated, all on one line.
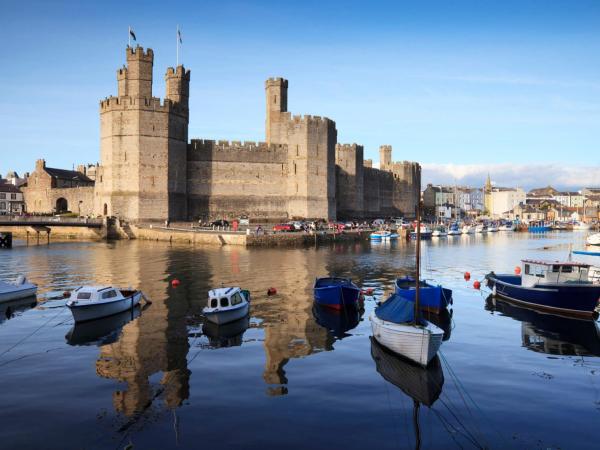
[(60, 233)]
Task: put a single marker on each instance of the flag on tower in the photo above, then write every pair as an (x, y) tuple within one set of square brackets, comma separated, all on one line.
[(179, 35), (132, 34)]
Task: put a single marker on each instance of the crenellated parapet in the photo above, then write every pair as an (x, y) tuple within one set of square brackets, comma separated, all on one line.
[(148, 104), (243, 152)]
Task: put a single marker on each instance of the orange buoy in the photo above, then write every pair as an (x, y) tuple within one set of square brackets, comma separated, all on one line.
[(476, 284), (368, 291), (517, 270), (467, 276), (175, 282), (66, 294), (271, 291)]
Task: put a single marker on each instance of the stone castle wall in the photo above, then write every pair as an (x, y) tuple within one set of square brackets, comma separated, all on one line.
[(80, 200)]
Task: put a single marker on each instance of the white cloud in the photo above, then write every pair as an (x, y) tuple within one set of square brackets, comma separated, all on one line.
[(527, 176)]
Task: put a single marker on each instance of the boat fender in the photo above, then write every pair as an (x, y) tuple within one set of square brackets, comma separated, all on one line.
[(175, 282), (476, 284), (467, 276), (66, 294), (517, 270), (271, 291)]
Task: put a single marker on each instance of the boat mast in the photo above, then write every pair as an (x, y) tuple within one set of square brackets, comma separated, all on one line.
[(418, 262)]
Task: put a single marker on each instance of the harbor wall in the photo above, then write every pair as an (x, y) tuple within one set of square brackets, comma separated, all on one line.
[(60, 233)]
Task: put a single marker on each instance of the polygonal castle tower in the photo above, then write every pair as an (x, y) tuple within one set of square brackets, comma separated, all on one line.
[(311, 144), (143, 144)]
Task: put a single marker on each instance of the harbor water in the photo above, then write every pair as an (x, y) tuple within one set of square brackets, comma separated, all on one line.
[(291, 376)]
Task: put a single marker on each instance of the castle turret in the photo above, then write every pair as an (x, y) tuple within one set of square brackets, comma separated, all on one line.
[(135, 80), (385, 157), (178, 85), (276, 96)]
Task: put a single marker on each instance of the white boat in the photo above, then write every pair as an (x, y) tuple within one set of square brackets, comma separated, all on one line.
[(454, 230), (439, 232), (594, 239), (481, 228), (226, 304), (581, 226), (383, 235), (509, 226), (468, 229), (493, 228), (14, 291), (419, 343), (397, 323), (94, 302)]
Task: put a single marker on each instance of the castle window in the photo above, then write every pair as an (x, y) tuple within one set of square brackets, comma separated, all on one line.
[(295, 172), (275, 99), (152, 181), (297, 150), (125, 156)]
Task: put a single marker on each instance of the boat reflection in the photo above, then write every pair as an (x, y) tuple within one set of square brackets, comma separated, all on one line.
[(550, 334), (225, 335), (9, 309), (337, 323), (101, 331)]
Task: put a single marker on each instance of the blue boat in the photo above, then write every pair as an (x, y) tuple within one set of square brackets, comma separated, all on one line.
[(539, 227), (434, 299), (562, 288), (337, 293)]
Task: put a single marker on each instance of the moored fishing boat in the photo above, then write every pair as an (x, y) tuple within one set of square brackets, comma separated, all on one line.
[(539, 227), (468, 229), (439, 232), (383, 235), (93, 302), (551, 286), (508, 226), (454, 230), (14, 291), (481, 228), (337, 293), (493, 228), (226, 304), (581, 226), (432, 298), (424, 232)]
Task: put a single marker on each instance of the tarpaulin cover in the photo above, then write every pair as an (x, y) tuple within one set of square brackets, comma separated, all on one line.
[(398, 308)]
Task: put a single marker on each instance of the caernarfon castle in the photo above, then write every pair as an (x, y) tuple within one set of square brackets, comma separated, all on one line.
[(150, 170)]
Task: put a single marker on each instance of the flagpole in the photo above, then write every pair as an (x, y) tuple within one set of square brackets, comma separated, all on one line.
[(129, 37)]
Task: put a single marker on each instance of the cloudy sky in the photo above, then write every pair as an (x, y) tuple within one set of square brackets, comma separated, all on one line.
[(465, 87)]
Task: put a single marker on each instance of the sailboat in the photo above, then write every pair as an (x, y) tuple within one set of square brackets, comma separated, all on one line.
[(398, 325)]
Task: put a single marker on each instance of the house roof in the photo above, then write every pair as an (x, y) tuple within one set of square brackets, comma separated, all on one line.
[(7, 187), (67, 174)]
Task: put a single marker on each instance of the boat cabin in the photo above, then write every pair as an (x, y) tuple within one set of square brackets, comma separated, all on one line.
[(225, 297), (95, 293), (553, 272)]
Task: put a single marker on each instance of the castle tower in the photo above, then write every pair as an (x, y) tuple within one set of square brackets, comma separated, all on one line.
[(276, 90), (349, 160), (143, 144), (385, 157)]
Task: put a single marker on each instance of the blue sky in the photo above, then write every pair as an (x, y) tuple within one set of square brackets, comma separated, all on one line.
[(486, 84)]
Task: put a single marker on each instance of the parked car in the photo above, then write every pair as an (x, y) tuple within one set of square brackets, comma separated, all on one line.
[(297, 225), (244, 220), (337, 226), (220, 223), (283, 227)]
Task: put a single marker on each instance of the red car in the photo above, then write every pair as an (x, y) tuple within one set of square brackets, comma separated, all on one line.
[(283, 227)]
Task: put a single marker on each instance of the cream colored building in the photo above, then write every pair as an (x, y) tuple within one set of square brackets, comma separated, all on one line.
[(504, 199)]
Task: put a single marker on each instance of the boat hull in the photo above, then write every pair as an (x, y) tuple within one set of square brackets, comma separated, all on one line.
[(573, 300), (434, 299), (83, 312), (418, 344), (594, 239), (338, 297), (227, 316), (19, 292)]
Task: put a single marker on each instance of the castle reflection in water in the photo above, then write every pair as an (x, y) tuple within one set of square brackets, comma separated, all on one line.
[(158, 341)]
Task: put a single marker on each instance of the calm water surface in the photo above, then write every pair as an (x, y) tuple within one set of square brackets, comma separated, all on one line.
[(290, 377)]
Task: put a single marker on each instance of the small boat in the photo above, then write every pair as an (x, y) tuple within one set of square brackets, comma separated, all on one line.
[(383, 235), (556, 287), (468, 229), (481, 228), (585, 252), (594, 239), (439, 232), (93, 302), (539, 227), (454, 230), (337, 293), (493, 228), (508, 226), (425, 232), (434, 299), (398, 325), (226, 304), (581, 226), (14, 291)]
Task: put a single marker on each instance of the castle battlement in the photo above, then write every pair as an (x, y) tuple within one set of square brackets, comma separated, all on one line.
[(238, 146), (178, 71), (113, 103), (306, 119), (276, 81), (348, 147), (139, 53)]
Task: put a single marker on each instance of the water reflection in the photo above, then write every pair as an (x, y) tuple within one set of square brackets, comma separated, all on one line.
[(101, 331), (550, 334), (10, 309), (338, 323), (226, 335)]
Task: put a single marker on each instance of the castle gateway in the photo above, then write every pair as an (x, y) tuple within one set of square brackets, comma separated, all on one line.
[(149, 170)]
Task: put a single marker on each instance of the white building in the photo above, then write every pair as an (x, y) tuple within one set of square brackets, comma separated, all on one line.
[(11, 199), (505, 199)]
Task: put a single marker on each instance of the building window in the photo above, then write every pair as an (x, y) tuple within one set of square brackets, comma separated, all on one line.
[(3, 195), (3, 205), (13, 196)]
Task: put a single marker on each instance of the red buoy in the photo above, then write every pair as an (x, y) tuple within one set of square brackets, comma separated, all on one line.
[(175, 282), (517, 270), (271, 291), (368, 291), (476, 284), (467, 276), (66, 294)]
